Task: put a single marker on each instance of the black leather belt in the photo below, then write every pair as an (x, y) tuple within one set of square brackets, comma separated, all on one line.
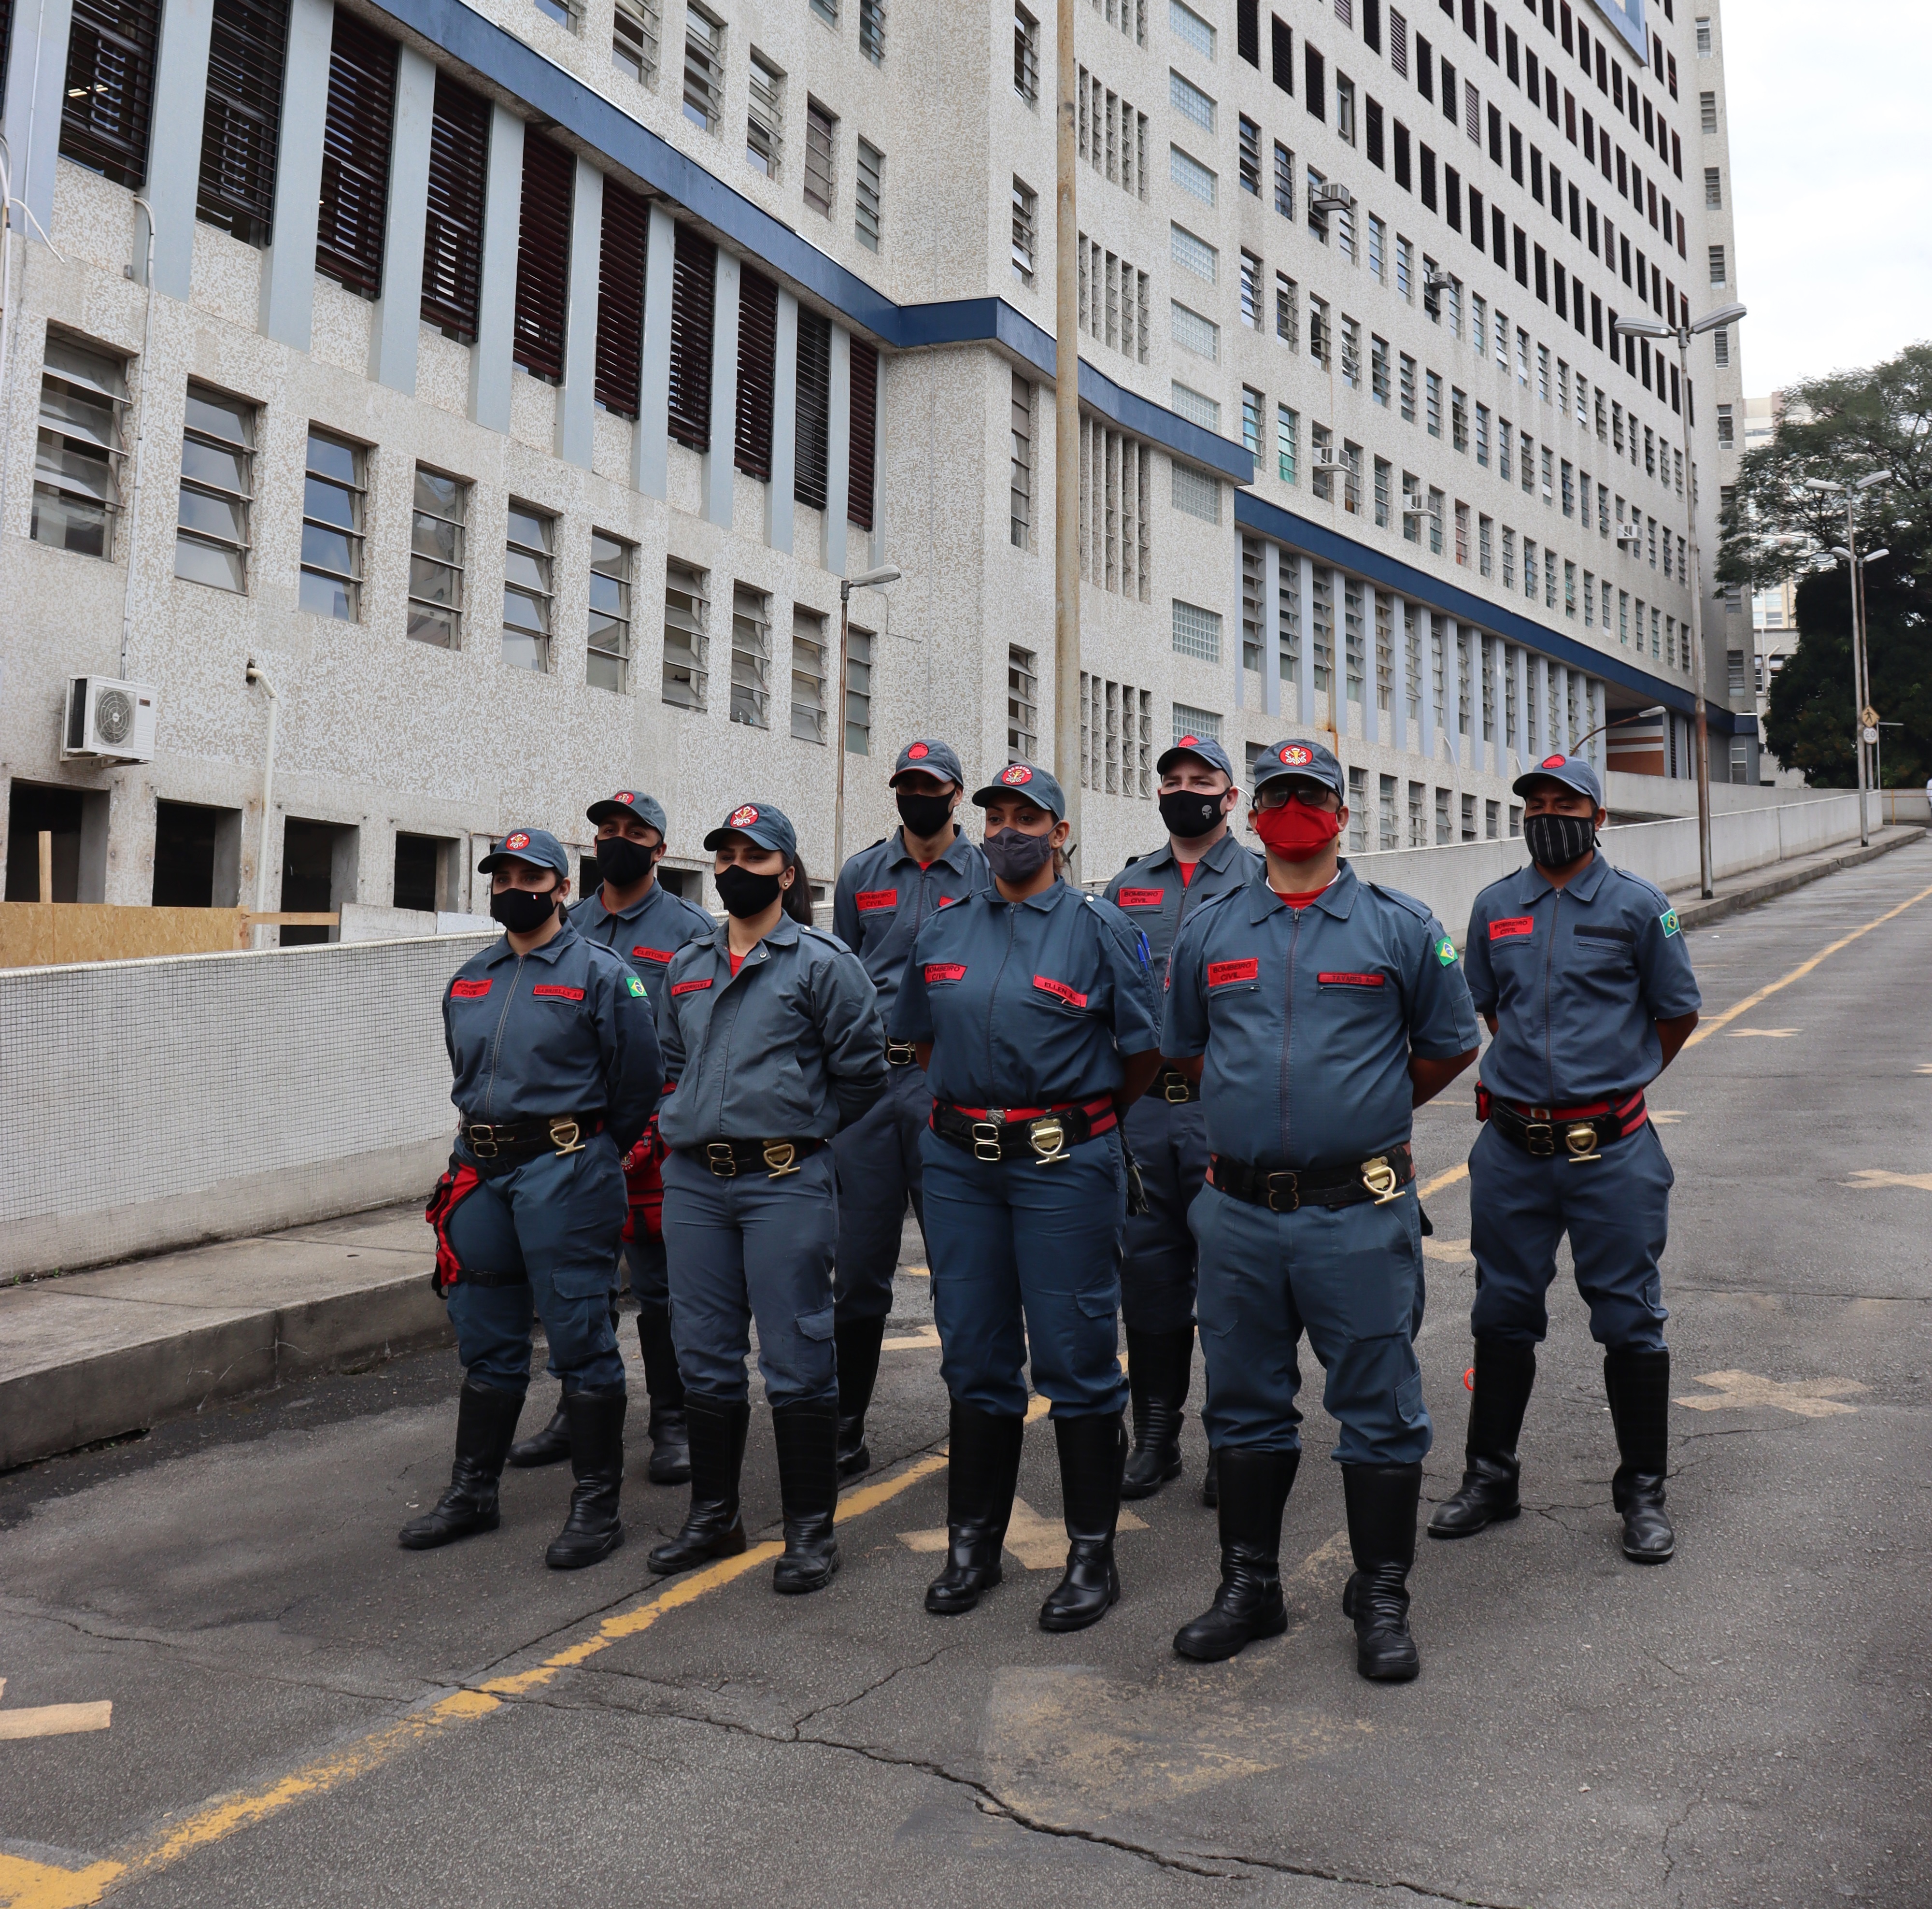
[(1575, 1133), (1042, 1134), (499, 1145), (727, 1158), (1380, 1179), (901, 1054), (1173, 1086)]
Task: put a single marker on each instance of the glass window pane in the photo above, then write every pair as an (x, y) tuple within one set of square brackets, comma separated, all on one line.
[(75, 468), (432, 537), (69, 523), (79, 415), (432, 626), (328, 596), (443, 496), (328, 459), (520, 567), (525, 611), (602, 672), (225, 417), (94, 369), (433, 582), (607, 554), (527, 527), (205, 564), (328, 550), (219, 517), (523, 652), (208, 463), (328, 502), (606, 593)]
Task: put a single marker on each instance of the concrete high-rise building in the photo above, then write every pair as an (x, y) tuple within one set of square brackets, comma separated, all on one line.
[(514, 383)]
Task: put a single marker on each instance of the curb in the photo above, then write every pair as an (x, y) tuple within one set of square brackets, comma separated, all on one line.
[(1700, 913)]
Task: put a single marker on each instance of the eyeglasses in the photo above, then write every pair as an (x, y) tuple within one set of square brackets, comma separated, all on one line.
[(1276, 795)]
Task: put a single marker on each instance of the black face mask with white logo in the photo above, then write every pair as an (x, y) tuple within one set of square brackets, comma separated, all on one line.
[(621, 861), (1189, 813), (523, 910), (744, 893), (1556, 841)]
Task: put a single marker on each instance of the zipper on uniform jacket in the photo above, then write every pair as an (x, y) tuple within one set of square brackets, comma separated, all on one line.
[(1549, 959), (1288, 1031), (496, 1040)]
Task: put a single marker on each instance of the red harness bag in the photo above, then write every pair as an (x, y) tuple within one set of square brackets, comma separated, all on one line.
[(457, 1184), (644, 1186)]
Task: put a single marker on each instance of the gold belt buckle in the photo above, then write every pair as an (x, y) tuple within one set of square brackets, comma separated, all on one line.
[(483, 1141), (1294, 1192), (1048, 1138), (566, 1136), (722, 1161), (781, 1157), (1379, 1177), (900, 1054), (1581, 1139), (1177, 1080), (1539, 1136), (985, 1137)]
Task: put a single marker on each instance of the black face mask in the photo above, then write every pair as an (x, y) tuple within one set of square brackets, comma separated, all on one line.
[(522, 911), (621, 861), (1556, 840), (1188, 813), (924, 815), (1016, 857), (745, 894)]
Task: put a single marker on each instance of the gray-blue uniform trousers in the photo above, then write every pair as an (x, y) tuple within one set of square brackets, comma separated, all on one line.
[(790, 1047), (1306, 1018), (1029, 1006), (1577, 978), (883, 899), (646, 935), (565, 1029), (1165, 1126)]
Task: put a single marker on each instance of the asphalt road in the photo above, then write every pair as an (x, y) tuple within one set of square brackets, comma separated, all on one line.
[(300, 1714)]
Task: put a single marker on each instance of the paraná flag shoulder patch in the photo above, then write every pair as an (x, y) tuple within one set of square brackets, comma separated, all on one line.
[(1669, 921)]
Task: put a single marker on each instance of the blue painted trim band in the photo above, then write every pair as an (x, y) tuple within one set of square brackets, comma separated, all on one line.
[(524, 74)]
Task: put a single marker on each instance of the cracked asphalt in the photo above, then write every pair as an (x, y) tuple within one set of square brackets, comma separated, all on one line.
[(1746, 1726)]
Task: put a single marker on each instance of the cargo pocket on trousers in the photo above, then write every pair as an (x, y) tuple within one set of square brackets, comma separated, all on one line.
[(816, 1326), (1408, 1405)]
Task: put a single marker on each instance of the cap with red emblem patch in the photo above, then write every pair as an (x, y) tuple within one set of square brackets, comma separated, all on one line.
[(630, 802), (1029, 780), (1309, 760), (537, 847), (759, 823), (933, 757), (1571, 772), (1204, 749)]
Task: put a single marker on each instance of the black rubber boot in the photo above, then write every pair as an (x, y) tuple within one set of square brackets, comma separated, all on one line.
[(857, 1341), (592, 1530), (1159, 1365), (1639, 1386), (1505, 1371), (1255, 1486), (807, 1434), (1210, 1480), (1382, 1501), (1093, 1453), (670, 1435), (983, 1468), (486, 1422), (715, 1526), (551, 1446)]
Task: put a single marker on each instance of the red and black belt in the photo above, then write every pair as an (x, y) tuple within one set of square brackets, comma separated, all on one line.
[(1042, 1134), (1576, 1134)]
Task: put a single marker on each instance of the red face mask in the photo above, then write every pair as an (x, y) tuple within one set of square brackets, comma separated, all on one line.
[(1296, 832)]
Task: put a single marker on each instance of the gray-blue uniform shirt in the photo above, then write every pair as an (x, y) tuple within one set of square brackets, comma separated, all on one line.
[(565, 1029), (1027, 1004), (1150, 892), (647, 934), (790, 1047), (1307, 1017), (1577, 978), (884, 898)]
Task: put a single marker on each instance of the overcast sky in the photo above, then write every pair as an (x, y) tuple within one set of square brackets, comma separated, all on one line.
[(1831, 178)]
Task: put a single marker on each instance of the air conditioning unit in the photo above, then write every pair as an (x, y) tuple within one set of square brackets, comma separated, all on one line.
[(1327, 458), (105, 718), (1628, 533), (1329, 198)]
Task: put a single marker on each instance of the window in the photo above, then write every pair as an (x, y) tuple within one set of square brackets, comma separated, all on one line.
[(1713, 186), (607, 646), (543, 258), (1345, 109), (1284, 181), (1287, 436), (1117, 752), (1192, 254), (866, 196), (750, 655), (1720, 344), (1191, 103), (1383, 469), (1197, 632), (693, 294), (241, 120), (1483, 435), (858, 692), (1707, 112), (1320, 345), (1189, 26), (1026, 56), (1485, 546), (1406, 365), (635, 31), (1251, 156), (110, 80), (1404, 269), (872, 30), (217, 487), (1717, 265), (1192, 178), (1378, 248), (1459, 420), (807, 674), (687, 647), (77, 461), (529, 561), (818, 184), (1189, 720), (355, 156), (1194, 407), (1253, 404), (813, 413), (1251, 291), (1431, 390), (862, 434), (1436, 501), (624, 241), (764, 117), (1378, 370), (1193, 333), (566, 13), (331, 537), (1352, 353), (1196, 493), (436, 558), (1021, 531), (1726, 428), (703, 69), (1026, 210), (1022, 711), (459, 152)]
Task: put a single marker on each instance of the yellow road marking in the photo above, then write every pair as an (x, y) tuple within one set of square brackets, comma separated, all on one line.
[(1797, 973), (1442, 1180), (54, 1720), (1039, 1544), (1767, 1034), (1808, 1398), (1865, 1178), (924, 1340)]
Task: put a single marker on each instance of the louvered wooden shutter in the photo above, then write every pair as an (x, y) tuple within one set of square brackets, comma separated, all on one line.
[(865, 424), (356, 156), (814, 408), (459, 162), (693, 292), (620, 297), (110, 82), (758, 372), (242, 124), (543, 257)]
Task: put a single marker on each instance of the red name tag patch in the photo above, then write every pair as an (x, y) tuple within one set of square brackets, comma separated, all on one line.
[(1511, 926), (551, 990), (653, 954), (944, 971), (1142, 898), (468, 990), (1337, 981), (690, 987), (1059, 991), (1220, 972), (870, 898)]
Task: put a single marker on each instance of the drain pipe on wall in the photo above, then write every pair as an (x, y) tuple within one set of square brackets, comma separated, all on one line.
[(140, 439), (258, 675)]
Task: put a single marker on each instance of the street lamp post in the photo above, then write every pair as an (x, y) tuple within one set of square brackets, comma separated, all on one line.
[(865, 580), (1067, 437), (1622, 716), (1682, 334), (1860, 689)]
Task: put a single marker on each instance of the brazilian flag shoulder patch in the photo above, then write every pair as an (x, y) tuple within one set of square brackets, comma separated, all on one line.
[(636, 986), (1445, 952), (1668, 921)]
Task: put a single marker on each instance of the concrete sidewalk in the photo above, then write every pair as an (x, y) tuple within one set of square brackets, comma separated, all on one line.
[(95, 1355)]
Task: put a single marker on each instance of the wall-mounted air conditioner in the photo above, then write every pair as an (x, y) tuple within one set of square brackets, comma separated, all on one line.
[(105, 718)]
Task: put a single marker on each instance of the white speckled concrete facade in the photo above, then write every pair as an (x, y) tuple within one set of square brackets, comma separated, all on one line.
[(386, 735)]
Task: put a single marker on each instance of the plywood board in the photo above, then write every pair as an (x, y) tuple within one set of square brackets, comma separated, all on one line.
[(36, 934)]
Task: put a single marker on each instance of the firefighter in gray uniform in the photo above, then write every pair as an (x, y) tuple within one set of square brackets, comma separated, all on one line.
[(885, 895), (555, 1053), (1581, 971), (636, 916), (772, 1043), (1165, 1131)]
